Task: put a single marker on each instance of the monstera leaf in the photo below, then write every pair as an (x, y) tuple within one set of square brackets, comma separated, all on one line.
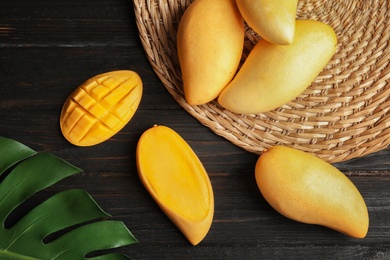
[(74, 221)]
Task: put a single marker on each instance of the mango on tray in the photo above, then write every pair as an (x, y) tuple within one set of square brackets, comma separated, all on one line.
[(273, 75)]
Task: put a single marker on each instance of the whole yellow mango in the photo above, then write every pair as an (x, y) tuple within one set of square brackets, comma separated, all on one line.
[(210, 41), (273, 75), (273, 20), (307, 189), (176, 179)]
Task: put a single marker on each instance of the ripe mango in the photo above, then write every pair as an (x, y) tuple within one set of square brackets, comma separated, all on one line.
[(176, 179), (273, 20), (100, 107), (307, 189), (273, 75), (210, 41)]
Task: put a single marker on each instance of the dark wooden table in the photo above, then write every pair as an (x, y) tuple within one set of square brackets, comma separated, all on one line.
[(48, 48)]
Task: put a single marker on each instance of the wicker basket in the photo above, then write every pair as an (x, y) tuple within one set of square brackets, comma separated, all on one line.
[(344, 113)]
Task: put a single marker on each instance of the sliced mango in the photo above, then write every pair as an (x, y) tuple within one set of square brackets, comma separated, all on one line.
[(176, 179), (100, 107)]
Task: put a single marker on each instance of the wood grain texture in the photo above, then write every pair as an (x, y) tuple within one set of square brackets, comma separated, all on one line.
[(48, 48)]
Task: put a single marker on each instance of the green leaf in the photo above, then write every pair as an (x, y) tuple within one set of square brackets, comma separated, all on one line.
[(12, 152), (73, 214)]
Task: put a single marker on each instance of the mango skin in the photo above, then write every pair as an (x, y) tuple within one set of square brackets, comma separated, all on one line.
[(273, 20), (307, 189), (176, 179), (273, 75), (100, 107), (210, 41)]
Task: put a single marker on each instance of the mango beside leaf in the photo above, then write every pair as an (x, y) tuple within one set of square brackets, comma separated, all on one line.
[(176, 179), (273, 75), (210, 41), (100, 107), (307, 189), (273, 20)]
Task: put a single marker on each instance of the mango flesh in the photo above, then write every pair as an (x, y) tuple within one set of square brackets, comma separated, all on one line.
[(210, 42), (100, 107), (176, 179), (307, 189), (273, 75), (273, 20)]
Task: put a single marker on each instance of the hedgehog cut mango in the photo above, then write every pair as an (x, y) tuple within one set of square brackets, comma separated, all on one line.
[(100, 107), (176, 179)]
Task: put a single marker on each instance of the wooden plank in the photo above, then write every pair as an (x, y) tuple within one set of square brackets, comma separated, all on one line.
[(48, 48), (67, 23), (71, 9)]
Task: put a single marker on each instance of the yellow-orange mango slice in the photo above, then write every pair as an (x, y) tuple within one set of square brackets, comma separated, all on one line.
[(273, 75), (176, 179), (273, 20), (100, 107), (307, 189), (210, 41)]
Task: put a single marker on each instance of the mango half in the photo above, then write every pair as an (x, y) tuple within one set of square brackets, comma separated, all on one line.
[(307, 189), (100, 107), (176, 179)]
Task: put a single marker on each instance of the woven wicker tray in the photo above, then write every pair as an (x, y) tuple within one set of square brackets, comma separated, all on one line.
[(344, 113)]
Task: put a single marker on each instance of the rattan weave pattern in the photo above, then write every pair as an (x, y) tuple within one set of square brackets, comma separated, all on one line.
[(343, 114)]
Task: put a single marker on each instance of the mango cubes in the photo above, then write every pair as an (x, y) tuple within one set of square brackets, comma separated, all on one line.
[(100, 107)]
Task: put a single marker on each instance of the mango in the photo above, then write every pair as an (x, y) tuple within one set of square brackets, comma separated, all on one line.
[(210, 41), (307, 189), (100, 107), (273, 20), (177, 180), (273, 75)]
